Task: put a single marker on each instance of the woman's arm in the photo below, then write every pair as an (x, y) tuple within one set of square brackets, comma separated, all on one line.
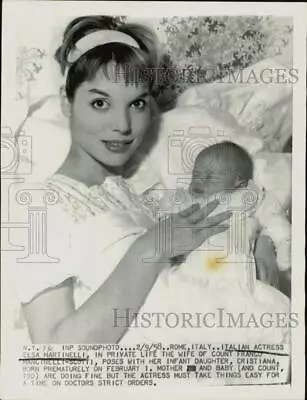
[(52, 317)]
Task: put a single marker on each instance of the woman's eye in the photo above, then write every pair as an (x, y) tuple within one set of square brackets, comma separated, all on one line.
[(139, 104), (100, 104)]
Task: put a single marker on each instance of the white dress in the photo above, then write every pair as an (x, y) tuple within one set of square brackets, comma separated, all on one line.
[(88, 232)]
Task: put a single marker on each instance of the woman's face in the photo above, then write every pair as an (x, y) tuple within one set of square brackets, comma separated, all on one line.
[(109, 118)]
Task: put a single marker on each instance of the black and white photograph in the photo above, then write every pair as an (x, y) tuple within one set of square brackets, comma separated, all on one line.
[(153, 200)]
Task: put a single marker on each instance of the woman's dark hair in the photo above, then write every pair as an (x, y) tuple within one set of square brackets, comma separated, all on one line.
[(134, 62)]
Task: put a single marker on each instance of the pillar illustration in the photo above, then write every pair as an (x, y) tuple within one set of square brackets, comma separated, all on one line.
[(37, 201)]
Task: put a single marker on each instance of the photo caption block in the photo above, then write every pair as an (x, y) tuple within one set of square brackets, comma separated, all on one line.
[(104, 365)]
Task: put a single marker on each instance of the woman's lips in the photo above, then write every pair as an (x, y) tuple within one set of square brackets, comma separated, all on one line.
[(117, 146)]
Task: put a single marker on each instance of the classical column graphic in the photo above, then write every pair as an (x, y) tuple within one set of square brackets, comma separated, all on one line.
[(12, 168), (16, 162), (238, 240), (37, 201)]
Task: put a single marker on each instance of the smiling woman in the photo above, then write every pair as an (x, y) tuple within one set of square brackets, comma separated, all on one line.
[(106, 94), (108, 122), (101, 232)]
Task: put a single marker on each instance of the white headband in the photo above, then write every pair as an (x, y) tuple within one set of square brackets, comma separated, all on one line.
[(99, 38)]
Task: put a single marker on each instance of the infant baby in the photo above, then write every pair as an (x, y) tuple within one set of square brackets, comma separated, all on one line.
[(225, 171), (221, 273)]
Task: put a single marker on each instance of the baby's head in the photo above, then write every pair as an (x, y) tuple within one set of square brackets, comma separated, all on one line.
[(221, 167)]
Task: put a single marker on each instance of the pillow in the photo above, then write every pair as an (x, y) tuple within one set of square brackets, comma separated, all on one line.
[(184, 132), (264, 109), (268, 167)]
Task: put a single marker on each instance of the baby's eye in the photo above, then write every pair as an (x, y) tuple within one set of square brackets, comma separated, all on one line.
[(139, 104), (100, 104)]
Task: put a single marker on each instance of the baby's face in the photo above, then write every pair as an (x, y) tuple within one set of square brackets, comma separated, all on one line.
[(209, 179)]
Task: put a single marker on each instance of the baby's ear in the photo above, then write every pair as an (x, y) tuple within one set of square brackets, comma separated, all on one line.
[(240, 183), (65, 104)]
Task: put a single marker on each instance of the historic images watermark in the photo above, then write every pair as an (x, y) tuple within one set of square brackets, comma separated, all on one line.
[(16, 164), (209, 74), (218, 318)]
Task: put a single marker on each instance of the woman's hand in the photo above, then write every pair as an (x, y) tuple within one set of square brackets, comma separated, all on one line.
[(179, 234)]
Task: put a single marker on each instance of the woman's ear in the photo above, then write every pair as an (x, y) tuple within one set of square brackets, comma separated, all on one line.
[(65, 104)]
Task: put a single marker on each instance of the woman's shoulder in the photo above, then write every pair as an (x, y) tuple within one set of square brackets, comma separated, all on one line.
[(63, 198), (79, 202), (82, 202), (73, 198)]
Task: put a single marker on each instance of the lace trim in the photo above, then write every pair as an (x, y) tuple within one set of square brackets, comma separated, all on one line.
[(113, 194)]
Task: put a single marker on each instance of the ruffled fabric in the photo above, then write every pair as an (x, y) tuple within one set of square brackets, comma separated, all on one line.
[(89, 231), (218, 278)]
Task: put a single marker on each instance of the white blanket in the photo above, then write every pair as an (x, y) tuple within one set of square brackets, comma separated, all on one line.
[(217, 280)]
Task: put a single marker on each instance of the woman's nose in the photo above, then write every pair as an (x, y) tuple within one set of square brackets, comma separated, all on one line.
[(122, 123)]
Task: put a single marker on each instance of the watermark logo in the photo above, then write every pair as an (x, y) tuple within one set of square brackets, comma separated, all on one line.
[(16, 164), (206, 75), (183, 147), (219, 318)]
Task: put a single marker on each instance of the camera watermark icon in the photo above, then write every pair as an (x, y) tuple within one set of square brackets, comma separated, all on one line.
[(16, 163), (37, 202), (183, 148), (16, 153)]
